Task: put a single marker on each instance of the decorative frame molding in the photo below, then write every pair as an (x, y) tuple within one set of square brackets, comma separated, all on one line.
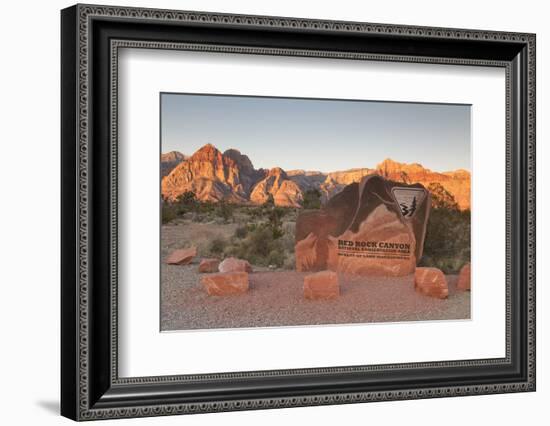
[(91, 388)]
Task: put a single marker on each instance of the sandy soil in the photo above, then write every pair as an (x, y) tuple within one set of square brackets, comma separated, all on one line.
[(186, 233), (275, 298)]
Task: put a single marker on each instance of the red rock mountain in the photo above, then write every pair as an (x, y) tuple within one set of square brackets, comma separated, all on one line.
[(170, 160), (212, 176), (276, 183), (231, 176), (336, 181), (456, 182)]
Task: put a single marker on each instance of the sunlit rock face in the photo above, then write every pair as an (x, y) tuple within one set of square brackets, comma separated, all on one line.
[(212, 176), (457, 182), (277, 184), (229, 176), (169, 161)]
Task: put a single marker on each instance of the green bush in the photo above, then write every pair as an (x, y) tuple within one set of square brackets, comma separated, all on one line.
[(261, 241), (276, 257), (217, 246), (201, 210), (241, 232), (186, 202), (225, 210), (260, 246), (447, 244), (169, 213), (290, 261), (188, 198), (312, 199), (262, 237)]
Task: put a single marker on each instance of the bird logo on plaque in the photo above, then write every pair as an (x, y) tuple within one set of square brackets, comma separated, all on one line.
[(408, 199)]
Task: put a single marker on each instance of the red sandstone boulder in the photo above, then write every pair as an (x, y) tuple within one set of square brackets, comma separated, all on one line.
[(182, 256), (321, 286), (431, 282), (464, 278), (224, 284), (232, 264), (209, 265), (312, 231), (306, 254)]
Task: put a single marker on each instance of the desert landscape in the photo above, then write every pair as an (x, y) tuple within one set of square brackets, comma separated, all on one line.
[(247, 247), (230, 176)]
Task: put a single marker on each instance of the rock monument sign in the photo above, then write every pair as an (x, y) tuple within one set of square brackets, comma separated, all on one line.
[(373, 227)]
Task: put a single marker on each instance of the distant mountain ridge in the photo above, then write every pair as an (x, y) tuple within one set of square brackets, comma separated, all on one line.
[(231, 176), (170, 160)]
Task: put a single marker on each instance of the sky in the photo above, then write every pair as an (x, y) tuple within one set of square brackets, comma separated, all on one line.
[(322, 135)]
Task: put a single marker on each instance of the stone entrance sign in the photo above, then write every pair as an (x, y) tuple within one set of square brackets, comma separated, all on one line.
[(374, 227)]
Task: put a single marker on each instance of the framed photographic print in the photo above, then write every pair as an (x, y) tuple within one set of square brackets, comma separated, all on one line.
[(263, 212)]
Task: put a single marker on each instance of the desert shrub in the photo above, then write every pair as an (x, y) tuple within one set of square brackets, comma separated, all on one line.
[(256, 212), (188, 198), (241, 232), (260, 246), (276, 257), (271, 215), (275, 220), (200, 211), (312, 199), (290, 261), (186, 202), (447, 244), (225, 210), (217, 246), (205, 207), (261, 241), (169, 213), (288, 240), (262, 237)]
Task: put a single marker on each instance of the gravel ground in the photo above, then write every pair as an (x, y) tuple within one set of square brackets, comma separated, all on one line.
[(275, 298)]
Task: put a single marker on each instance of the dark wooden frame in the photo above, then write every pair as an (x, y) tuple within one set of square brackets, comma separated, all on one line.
[(90, 386)]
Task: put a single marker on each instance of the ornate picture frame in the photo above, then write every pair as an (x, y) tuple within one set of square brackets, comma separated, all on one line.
[(91, 37)]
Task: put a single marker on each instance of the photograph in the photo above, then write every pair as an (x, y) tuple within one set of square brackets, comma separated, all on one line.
[(279, 211)]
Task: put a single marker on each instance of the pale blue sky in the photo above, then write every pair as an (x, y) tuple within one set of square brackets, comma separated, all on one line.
[(324, 135)]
